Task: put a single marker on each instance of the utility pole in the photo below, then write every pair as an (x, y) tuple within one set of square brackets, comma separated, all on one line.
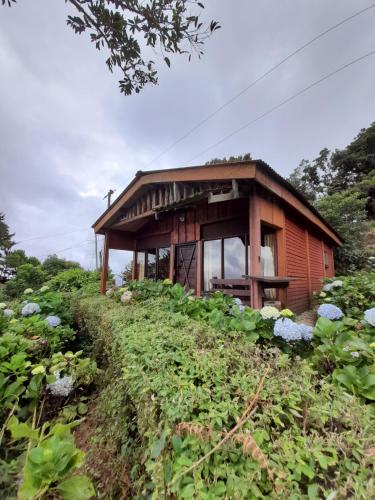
[(96, 252), (108, 196)]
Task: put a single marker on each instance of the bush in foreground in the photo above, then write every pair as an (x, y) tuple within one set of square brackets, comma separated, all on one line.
[(189, 382)]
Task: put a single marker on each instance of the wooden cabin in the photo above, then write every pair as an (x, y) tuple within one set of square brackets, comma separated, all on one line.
[(236, 227)]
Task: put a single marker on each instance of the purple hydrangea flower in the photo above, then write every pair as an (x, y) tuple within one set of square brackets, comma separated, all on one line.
[(53, 321), (330, 311), (306, 331), (30, 308), (287, 330), (370, 316)]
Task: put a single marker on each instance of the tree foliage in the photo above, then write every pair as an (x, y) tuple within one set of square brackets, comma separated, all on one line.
[(127, 28), (54, 265), (6, 244), (342, 169), (346, 212), (230, 159)]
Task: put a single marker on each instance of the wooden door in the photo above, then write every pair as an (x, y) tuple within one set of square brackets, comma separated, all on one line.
[(185, 265)]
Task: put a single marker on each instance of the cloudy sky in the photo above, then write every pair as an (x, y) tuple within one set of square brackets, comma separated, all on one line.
[(67, 135)]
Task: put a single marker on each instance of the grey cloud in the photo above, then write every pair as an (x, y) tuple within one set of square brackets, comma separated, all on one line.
[(67, 135)]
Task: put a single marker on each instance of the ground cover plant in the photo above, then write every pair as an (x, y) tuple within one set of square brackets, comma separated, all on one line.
[(43, 387), (287, 409)]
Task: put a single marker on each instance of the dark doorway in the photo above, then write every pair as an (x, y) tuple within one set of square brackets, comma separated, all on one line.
[(186, 265)]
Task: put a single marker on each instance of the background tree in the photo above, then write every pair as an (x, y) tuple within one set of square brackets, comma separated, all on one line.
[(246, 156), (28, 276), (346, 212), (53, 265), (125, 28), (6, 244)]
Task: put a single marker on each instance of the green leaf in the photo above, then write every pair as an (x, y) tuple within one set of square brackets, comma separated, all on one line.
[(166, 59), (77, 488), (158, 446)]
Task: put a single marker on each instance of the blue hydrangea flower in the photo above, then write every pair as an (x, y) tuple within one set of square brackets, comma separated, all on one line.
[(237, 301), (370, 316), (306, 331), (287, 330), (328, 287), (30, 308), (53, 321), (330, 311)]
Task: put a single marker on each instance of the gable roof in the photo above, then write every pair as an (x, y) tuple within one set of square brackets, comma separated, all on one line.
[(256, 170)]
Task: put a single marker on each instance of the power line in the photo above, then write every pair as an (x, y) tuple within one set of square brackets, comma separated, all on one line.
[(261, 77), (52, 235), (274, 108), (81, 244)]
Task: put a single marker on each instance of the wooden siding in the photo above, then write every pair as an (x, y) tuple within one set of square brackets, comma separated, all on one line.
[(329, 271), (316, 262), (296, 267)]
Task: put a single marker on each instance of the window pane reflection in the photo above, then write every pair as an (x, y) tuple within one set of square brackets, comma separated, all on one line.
[(151, 264), (234, 257), (211, 262), (164, 256)]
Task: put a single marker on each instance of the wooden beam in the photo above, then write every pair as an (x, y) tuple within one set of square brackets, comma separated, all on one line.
[(104, 272), (254, 248)]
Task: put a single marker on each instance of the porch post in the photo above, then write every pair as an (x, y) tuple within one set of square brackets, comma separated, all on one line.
[(104, 273), (134, 265), (254, 248)]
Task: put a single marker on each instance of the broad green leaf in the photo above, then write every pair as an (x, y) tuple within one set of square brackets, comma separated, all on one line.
[(77, 488)]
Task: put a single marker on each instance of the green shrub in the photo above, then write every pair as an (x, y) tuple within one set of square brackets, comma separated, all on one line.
[(189, 382), (28, 276), (74, 279), (356, 294)]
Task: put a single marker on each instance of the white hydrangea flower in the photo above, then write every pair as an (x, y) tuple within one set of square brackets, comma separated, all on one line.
[(28, 291), (109, 292), (126, 297), (44, 288), (269, 312), (2, 305), (346, 349), (369, 316), (328, 287), (354, 354), (337, 283), (62, 386), (30, 308), (8, 313)]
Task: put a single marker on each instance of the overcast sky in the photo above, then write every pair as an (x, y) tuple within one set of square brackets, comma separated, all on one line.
[(67, 135)]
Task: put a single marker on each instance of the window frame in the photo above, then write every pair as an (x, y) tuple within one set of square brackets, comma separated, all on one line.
[(222, 259), (146, 252)]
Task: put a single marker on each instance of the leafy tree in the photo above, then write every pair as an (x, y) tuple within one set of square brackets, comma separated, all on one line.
[(346, 212), (6, 243), (353, 163), (17, 258), (28, 276), (54, 265), (127, 27), (312, 178), (337, 171), (246, 156)]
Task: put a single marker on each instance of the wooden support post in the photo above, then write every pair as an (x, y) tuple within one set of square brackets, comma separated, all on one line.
[(254, 248), (104, 273), (172, 259), (281, 260), (134, 266)]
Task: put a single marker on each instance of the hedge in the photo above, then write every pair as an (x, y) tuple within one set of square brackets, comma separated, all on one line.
[(187, 385)]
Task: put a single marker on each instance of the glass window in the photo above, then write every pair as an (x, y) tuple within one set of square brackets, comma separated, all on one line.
[(211, 261), (151, 263), (268, 254), (141, 259), (163, 263), (234, 257)]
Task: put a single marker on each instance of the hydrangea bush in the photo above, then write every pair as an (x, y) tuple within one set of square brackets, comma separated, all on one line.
[(330, 311)]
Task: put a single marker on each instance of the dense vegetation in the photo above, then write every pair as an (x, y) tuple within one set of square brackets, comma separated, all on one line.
[(341, 185), (45, 381), (190, 370)]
